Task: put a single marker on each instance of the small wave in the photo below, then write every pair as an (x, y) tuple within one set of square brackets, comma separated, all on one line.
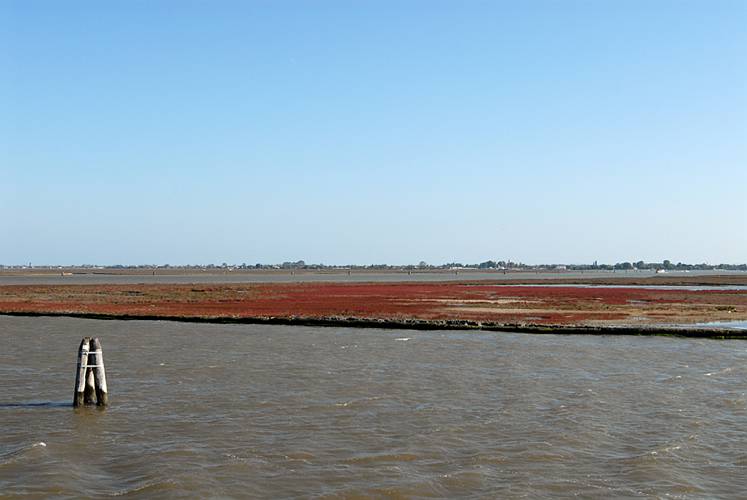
[(253, 460), (462, 481), (736, 402), (13, 455), (299, 455), (666, 449), (403, 339), (345, 404), (385, 457), (146, 486), (652, 455), (720, 372)]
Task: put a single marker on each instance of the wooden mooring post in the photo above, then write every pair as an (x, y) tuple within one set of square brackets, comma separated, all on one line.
[(90, 377), (99, 374), (80, 375)]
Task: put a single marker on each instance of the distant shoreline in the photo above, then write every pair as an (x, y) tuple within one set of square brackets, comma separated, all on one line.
[(171, 276)]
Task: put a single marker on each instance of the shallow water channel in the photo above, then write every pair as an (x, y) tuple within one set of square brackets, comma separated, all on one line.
[(273, 411)]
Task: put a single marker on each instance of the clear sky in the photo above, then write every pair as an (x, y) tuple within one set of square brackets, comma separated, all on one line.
[(373, 131)]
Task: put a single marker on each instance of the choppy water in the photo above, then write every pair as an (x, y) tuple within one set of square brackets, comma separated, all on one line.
[(269, 411)]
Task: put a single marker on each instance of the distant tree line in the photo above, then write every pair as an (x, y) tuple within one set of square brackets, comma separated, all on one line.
[(666, 265)]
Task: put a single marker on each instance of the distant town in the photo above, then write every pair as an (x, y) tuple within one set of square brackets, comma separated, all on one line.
[(487, 265)]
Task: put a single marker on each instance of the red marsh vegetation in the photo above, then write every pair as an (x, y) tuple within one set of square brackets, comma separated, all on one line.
[(513, 304)]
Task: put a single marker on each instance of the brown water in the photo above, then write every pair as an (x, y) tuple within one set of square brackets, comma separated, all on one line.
[(273, 411)]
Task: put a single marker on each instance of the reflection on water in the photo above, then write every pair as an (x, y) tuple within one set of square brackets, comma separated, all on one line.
[(272, 411)]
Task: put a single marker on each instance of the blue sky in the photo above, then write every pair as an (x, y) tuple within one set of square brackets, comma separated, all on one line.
[(373, 132)]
